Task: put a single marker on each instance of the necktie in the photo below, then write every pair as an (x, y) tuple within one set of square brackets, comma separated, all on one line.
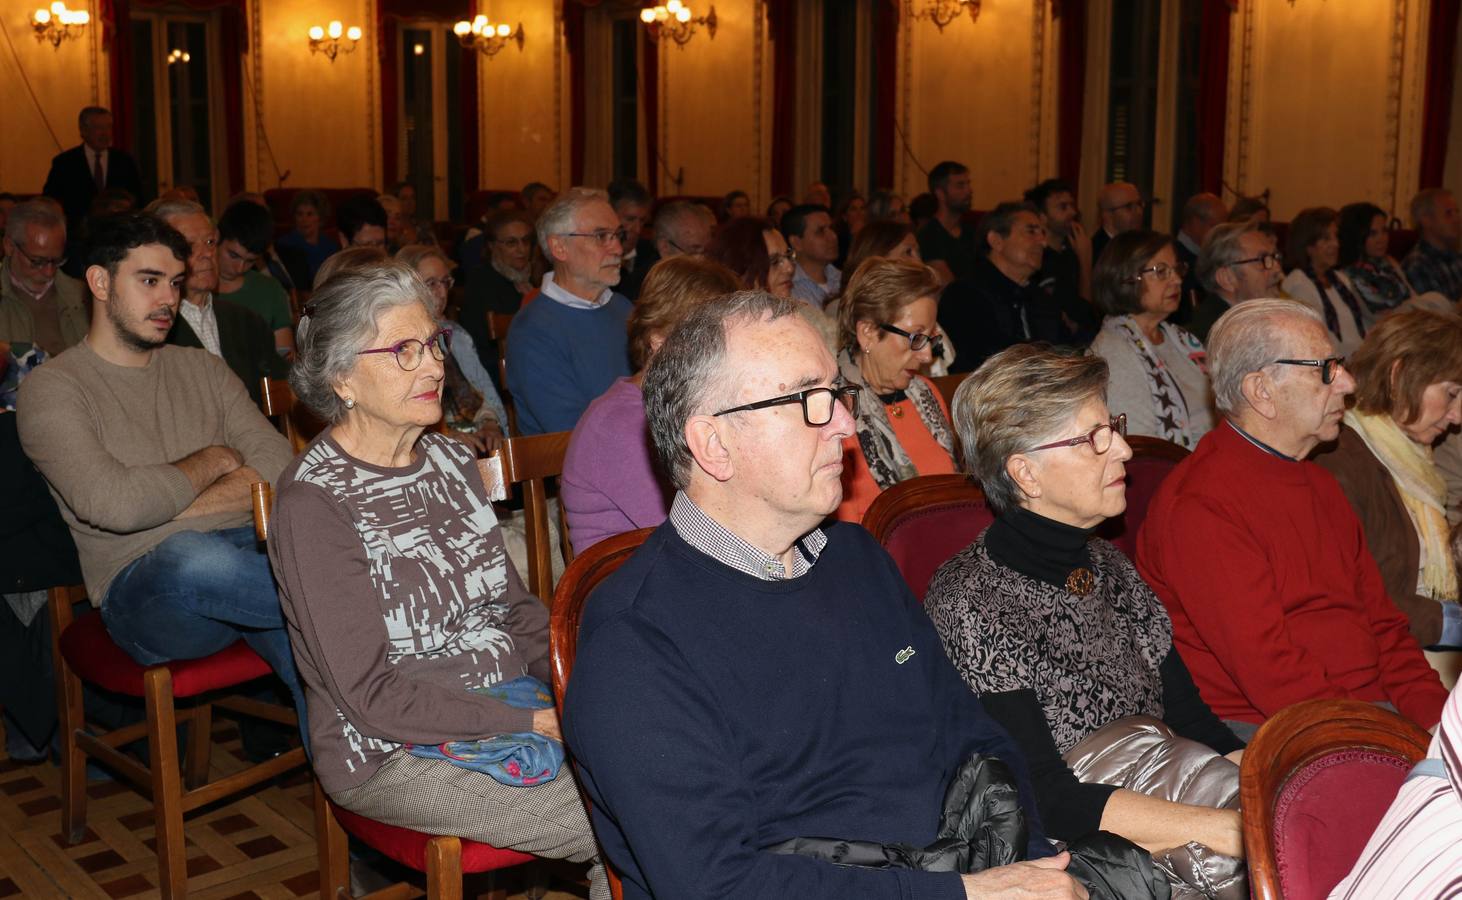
[(96, 172)]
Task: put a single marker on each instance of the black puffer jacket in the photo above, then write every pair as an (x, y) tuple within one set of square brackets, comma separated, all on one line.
[(983, 827)]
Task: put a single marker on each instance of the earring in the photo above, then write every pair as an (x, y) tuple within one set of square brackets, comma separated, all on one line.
[(350, 403)]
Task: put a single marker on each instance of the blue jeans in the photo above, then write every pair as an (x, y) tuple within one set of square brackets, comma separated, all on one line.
[(195, 594)]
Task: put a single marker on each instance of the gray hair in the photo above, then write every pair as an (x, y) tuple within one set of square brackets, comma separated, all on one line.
[(689, 373), (1018, 399), (673, 219), (1425, 203), (341, 320), (32, 212), (171, 209), (1247, 338), (561, 214), (1222, 248)]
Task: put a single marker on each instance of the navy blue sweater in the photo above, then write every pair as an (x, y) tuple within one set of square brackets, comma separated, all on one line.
[(713, 714), (560, 358)]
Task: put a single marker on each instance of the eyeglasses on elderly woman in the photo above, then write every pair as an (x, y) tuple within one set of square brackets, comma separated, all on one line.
[(410, 352), (1099, 437)]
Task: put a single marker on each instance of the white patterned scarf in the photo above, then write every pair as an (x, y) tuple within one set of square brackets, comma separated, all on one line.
[(887, 460)]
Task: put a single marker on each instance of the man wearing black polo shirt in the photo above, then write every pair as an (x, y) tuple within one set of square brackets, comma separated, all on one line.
[(1065, 273), (1000, 304), (946, 246)]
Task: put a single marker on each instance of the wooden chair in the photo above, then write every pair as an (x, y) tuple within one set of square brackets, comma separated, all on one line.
[(442, 858), (924, 521), (1314, 783), (277, 401), (1152, 459), (530, 461), (497, 329), (578, 582), (82, 651)]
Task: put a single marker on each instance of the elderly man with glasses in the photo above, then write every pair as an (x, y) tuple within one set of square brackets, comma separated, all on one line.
[(570, 344), (1122, 209), (1257, 554), (41, 307), (1239, 261)]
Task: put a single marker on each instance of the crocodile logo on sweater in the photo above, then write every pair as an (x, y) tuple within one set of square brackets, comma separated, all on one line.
[(904, 655)]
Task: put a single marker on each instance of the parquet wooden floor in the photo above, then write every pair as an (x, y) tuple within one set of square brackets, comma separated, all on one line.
[(259, 847)]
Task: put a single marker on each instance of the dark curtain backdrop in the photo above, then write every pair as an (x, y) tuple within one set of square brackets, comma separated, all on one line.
[(573, 35), (1213, 56), (389, 14), (650, 111), (1436, 116), (1070, 88), (782, 28), (886, 64)]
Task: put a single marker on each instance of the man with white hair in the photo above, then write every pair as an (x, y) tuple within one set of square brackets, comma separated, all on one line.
[(683, 229), (1435, 263), (40, 305), (1257, 554), (568, 346)]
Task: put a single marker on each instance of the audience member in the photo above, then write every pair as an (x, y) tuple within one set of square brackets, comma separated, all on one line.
[(852, 216), (883, 237), (349, 258), (150, 450), (1250, 209), (502, 285), (1051, 627), (1273, 594), (1376, 278), (887, 331), (537, 197), (271, 263), (1000, 305), (1065, 273), (776, 209), (735, 205), (946, 245), (225, 329), (678, 660), (1240, 261), (1408, 376), (809, 232), (610, 483), (1199, 216), (683, 228), (362, 220), (244, 231), (399, 232), (1122, 209), (885, 206), (1310, 257), (921, 209), (1434, 264), (79, 174), (568, 346), (817, 194), (756, 251), (631, 202), (40, 306), (472, 410), (306, 248), (404, 610), (1159, 372)]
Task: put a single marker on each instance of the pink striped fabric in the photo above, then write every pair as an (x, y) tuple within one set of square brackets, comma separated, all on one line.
[(1416, 852)]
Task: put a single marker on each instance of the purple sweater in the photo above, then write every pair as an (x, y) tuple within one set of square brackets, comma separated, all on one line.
[(610, 484)]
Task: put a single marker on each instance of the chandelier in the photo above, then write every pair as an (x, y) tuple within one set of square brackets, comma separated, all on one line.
[(943, 12), (327, 40), (486, 38), (674, 19), (58, 23)]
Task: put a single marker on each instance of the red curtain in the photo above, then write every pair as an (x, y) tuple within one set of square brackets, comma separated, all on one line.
[(1436, 116), (389, 28), (1213, 57), (1071, 88), (650, 72), (886, 56), (782, 28)]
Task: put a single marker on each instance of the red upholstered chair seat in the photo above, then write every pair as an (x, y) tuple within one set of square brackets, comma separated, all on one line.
[(92, 655), (408, 847), (925, 540), (1326, 812), (1152, 460)]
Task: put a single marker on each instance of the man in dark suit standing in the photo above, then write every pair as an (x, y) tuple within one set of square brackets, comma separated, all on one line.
[(79, 174)]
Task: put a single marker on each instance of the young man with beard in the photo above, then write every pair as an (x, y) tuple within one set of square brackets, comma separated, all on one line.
[(949, 248), (1066, 262), (149, 450)]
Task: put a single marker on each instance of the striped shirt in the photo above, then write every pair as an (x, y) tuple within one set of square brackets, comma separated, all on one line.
[(714, 540), (1416, 851), (1430, 268)]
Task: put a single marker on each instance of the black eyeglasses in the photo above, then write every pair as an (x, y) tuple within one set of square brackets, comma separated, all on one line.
[(1267, 260), (817, 403), (603, 236), (1099, 437), (410, 352), (688, 251), (918, 342), (1327, 366), (42, 262), (1163, 271)]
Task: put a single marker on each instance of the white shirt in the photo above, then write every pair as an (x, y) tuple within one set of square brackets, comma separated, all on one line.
[(552, 291), (204, 323)]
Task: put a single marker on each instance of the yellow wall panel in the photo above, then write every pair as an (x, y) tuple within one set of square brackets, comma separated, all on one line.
[(523, 135)]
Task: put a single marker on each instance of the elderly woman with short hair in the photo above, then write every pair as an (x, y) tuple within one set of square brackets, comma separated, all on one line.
[(1408, 375), (888, 330), (1159, 371), (1052, 627), (401, 602), (610, 484)]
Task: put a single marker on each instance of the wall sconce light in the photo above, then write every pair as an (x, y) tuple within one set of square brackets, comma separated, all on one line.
[(328, 41), (486, 38), (179, 56), (943, 12), (674, 20), (58, 23)]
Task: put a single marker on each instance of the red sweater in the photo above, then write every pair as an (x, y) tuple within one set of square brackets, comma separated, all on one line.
[(1274, 597)]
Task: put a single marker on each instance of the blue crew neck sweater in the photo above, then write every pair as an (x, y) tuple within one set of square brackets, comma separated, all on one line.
[(560, 358), (713, 714)]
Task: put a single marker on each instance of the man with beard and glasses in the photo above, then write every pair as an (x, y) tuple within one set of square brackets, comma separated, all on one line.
[(228, 330), (570, 344), (949, 248), (150, 450)]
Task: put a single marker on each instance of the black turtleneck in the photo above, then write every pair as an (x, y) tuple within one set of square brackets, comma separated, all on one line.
[(1037, 547)]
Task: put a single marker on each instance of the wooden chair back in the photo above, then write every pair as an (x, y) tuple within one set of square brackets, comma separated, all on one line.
[(497, 329), (1314, 783), (278, 402), (1152, 459), (530, 461), (924, 521)]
